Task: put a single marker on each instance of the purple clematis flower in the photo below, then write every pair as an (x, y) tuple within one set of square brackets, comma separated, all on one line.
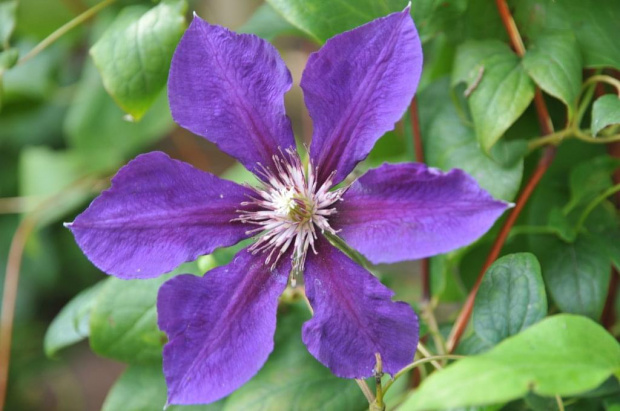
[(161, 212)]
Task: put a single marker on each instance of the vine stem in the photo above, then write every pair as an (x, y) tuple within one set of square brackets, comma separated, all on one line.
[(62, 30), (419, 157), (9, 297), (417, 363), (582, 135), (608, 317), (11, 278), (370, 397), (545, 161), (601, 78)]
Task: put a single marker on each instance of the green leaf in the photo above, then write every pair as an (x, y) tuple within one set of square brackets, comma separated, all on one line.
[(322, 20), (95, 126), (561, 355), (554, 62), (71, 325), (499, 89), (123, 320), (596, 29), (446, 283), (143, 388), (594, 26), (471, 57), (605, 112), (8, 10), (576, 274), (268, 24), (292, 379), (134, 54), (590, 178), (448, 143), (562, 226), (510, 299)]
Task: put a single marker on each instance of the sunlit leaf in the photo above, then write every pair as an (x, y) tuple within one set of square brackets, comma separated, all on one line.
[(498, 88), (554, 62), (134, 54), (605, 112), (561, 355), (123, 320), (71, 325)]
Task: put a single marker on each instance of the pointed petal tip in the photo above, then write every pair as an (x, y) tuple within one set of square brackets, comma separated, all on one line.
[(68, 225), (407, 7)]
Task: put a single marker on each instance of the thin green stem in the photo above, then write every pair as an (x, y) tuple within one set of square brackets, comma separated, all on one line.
[(593, 204), (531, 229), (554, 138), (429, 315), (370, 397), (583, 136), (558, 399), (62, 30), (426, 353), (585, 98), (601, 78), (417, 364), (378, 404)]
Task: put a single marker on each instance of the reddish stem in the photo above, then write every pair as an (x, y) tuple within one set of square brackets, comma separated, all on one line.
[(546, 127), (463, 318), (419, 157), (9, 297)]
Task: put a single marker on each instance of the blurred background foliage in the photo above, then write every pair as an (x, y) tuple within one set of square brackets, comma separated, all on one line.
[(73, 113)]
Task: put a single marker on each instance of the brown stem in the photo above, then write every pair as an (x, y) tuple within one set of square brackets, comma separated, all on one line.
[(546, 127), (419, 157), (9, 297), (608, 318), (463, 318), (511, 27), (11, 279)]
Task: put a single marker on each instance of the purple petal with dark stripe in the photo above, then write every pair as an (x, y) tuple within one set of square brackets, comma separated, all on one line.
[(357, 87), (229, 88), (220, 327), (158, 214), (355, 317), (407, 211)]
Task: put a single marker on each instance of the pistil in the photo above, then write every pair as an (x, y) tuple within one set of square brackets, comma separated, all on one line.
[(291, 210)]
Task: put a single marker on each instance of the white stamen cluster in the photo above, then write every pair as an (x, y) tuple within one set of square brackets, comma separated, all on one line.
[(292, 208)]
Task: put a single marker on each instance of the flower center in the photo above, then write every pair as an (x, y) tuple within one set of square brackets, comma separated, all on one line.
[(289, 208)]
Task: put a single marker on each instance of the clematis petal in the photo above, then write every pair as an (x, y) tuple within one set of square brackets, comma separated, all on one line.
[(356, 87), (220, 327), (354, 317), (158, 214), (229, 88), (407, 211)]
